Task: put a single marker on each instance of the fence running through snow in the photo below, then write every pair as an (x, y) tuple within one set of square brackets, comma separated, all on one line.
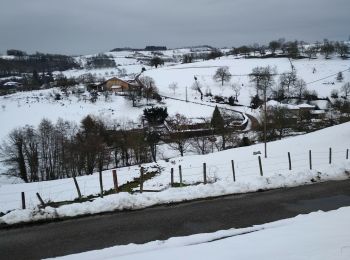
[(184, 176)]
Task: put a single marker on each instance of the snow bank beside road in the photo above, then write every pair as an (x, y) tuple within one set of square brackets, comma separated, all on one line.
[(126, 201), (319, 235)]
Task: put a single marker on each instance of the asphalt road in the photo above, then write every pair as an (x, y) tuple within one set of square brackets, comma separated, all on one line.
[(119, 228)]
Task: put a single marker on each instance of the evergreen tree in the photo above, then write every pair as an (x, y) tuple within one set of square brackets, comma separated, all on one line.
[(156, 115), (36, 81), (217, 121)]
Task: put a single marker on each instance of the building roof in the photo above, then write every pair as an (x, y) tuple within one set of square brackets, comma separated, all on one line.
[(274, 103), (12, 83), (304, 105), (317, 112)]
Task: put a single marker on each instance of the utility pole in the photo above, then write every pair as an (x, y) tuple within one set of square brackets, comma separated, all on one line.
[(265, 118)]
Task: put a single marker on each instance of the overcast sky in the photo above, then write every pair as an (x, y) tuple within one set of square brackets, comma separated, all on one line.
[(90, 26)]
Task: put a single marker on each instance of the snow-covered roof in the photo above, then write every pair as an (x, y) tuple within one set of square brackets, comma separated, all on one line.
[(11, 83), (322, 104), (317, 112), (274, 103), (305, 106)]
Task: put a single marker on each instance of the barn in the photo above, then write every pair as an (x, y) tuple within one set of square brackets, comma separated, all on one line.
[(117, 85)]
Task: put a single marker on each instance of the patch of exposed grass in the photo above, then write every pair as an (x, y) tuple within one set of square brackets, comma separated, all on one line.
[(130, 186)]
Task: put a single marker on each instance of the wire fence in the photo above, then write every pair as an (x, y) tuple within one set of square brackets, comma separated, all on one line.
[(177, 176)]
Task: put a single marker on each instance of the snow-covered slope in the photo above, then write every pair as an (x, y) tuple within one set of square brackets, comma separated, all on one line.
[(29, 108), (219, 173), (240, 68)]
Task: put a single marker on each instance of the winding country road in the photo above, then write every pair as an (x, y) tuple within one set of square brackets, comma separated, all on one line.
[(161, 222)]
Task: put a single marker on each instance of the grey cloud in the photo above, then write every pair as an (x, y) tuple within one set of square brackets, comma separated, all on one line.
[(86, 26)]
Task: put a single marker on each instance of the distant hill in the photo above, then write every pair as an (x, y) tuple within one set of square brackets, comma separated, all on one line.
[(148, 48)]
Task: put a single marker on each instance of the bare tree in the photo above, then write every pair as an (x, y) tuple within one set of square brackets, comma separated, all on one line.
[(236, 90), (342, 49), (179, 141), (300, 87), (340, 76), (263, 77), (197, 87), (173, 86), (201, 144), (327, 49), (122, 72), (287, 81), (222, 74), (149, 87), (31, 151), (273, 46), (345, 89), (12, 152), (311, 52)]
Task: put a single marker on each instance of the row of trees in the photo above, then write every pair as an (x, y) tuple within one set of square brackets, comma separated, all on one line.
[(35, 62), (294, 49), (64, 149), (100, 61), (61, 150)]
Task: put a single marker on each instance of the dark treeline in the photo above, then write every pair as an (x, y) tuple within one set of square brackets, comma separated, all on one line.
[(61, 150), (292, 49), (277, 48), (100, 61), (148, 48), (23, 63)]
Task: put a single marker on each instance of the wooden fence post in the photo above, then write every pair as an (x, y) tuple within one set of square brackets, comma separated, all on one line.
[(40, 199), (172, 177), (77, 186), (23, 200), (141, 180), (260, 166), (205, 173), (180, 175), (233, 170), (115, 180), (290, 161), (310, 159), (330, 155), (347, 154), (101, 184)]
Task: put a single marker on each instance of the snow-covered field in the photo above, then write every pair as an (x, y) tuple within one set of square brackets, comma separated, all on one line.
[(29, 108), (322, 71), (219, 173), (240, 68), (315, 236), (60, 190)]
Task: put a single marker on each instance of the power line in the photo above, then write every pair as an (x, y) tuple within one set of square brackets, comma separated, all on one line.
[(327, 77), (279, 74)]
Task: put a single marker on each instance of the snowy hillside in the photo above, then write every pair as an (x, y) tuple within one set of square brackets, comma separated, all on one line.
[(240, 68), (29, 108), (219, 172)]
